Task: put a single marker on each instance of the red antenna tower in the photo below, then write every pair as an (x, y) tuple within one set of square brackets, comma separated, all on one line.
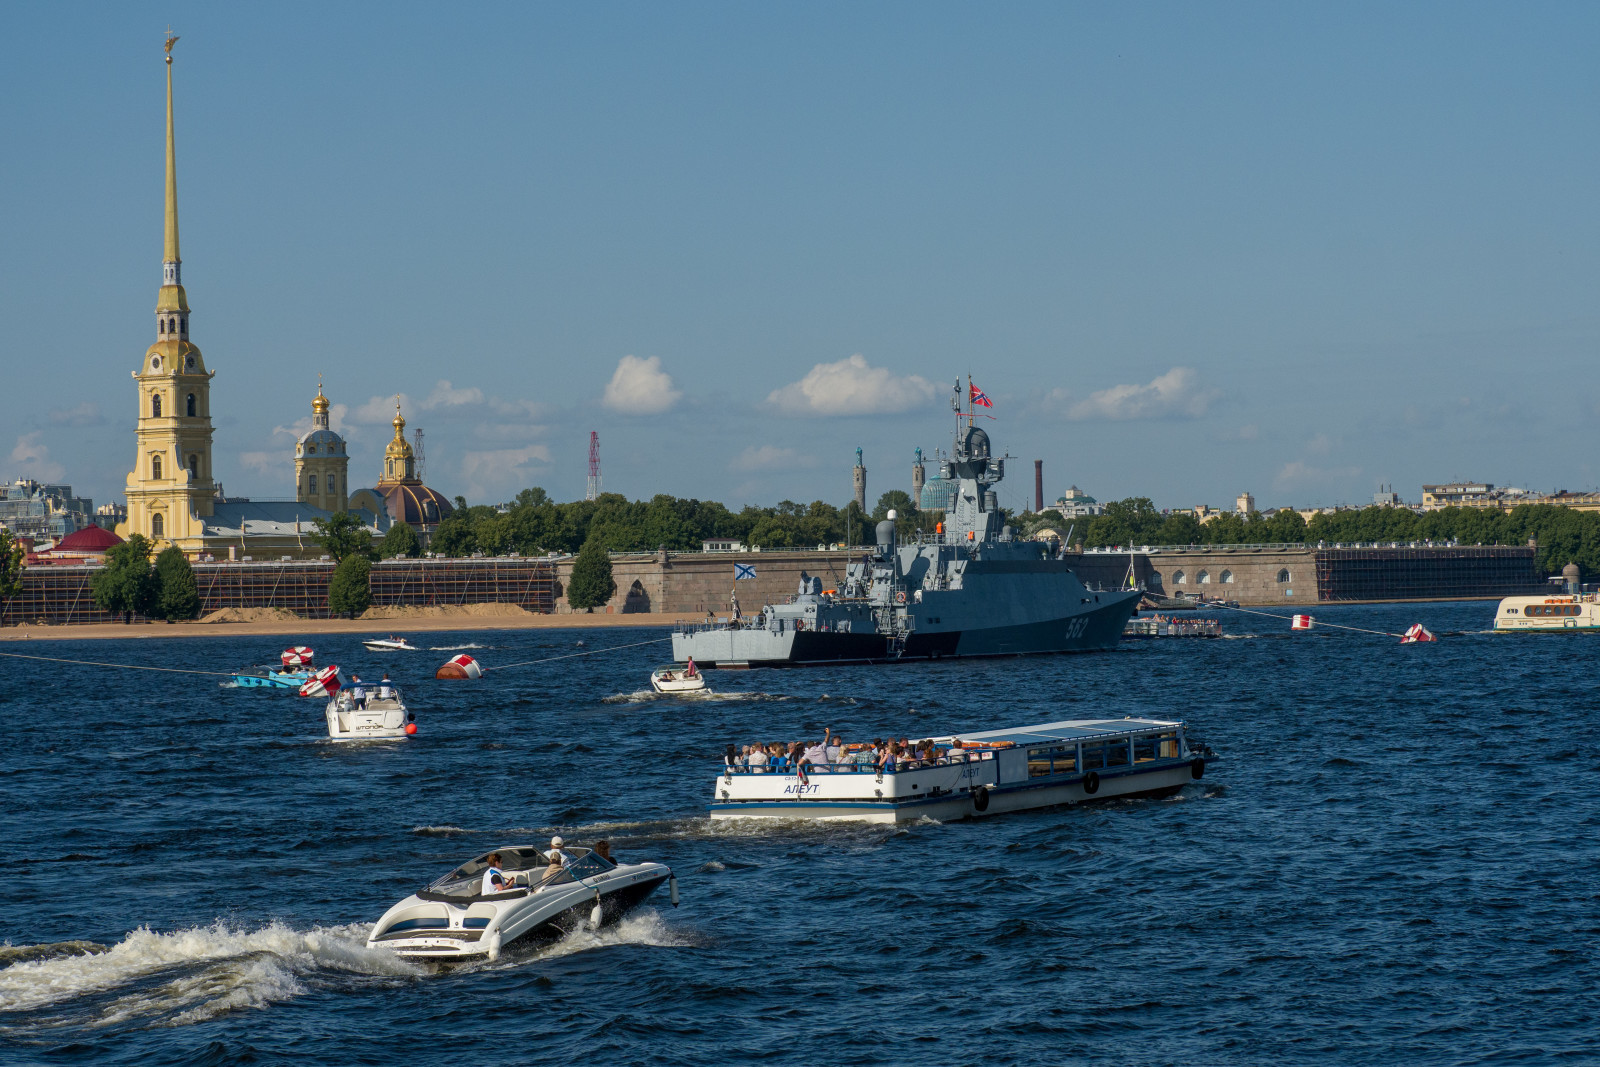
[(593, 492)]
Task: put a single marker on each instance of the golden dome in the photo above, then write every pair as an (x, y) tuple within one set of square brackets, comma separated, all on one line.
[(319, 403), (398, 449)]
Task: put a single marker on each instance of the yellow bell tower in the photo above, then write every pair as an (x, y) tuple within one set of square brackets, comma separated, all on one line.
[(321, 464), (171, 488)]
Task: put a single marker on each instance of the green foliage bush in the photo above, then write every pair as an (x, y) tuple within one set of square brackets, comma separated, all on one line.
[(178, 596), (350, 588), (590, 585), (401, 540), (126, 585), (342, 535)]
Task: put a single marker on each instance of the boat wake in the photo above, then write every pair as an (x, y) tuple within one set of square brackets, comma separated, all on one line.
[(187, 976), (643, 696), (642, 927), (438, 831), (455, 648)]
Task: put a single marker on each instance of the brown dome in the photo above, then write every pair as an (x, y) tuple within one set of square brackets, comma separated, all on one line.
[(414, 503), (88, 539)]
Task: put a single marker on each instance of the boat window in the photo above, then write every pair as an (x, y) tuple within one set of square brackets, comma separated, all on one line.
[(1094, 757), (1038, 762), (1057, 759), (1167, 747), (1144, 749), (1117, 752), (428, 923)]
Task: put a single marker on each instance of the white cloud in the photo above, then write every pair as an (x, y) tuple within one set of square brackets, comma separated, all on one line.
[(1299, 475), (381, 409), (31, 459), (640, 387), (769, 458), (503, 471), (85, 414), (277, 463), (852, 387), (445, 395), (1176, 394)]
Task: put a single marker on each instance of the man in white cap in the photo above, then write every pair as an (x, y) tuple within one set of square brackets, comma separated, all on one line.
[(557, 851)]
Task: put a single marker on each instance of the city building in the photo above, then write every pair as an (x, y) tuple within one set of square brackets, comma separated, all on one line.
[(1076, 504), (400, 495), (88, 545), (172, 497), (321, 462), (1244, 504), (43, 512), (1474, 495), (110, 516)]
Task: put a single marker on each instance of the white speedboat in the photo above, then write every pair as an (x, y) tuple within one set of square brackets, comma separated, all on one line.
[(377, 717), (676, 679), (977, 774), (389, 644), (453, 920)]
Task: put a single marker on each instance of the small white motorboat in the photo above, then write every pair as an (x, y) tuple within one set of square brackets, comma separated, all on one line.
[(389, 644), (454, 920), (676, 679), (380, 716)]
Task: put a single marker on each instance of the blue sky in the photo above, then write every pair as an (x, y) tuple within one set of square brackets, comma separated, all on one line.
[(1188, 249)]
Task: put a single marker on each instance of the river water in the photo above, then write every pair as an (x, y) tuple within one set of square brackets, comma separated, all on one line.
[(1395, 860)]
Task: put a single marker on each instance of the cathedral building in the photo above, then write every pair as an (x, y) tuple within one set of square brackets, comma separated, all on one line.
[(400, 494), (173, 498)]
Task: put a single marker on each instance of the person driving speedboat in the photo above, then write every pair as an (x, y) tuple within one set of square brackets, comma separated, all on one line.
[(494, 879)]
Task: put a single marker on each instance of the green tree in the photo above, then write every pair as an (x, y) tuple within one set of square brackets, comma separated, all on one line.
[(461, 503), (13, 557), (126, 585), (401, 540), (532, 498), (590, 585), (1133, 521), (350, 589), (897, 499), (1180, 530), (454, 537), (179, 597), (342, 535)]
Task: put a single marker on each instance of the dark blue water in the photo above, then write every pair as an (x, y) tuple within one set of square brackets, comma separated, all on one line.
[(1395, 861)]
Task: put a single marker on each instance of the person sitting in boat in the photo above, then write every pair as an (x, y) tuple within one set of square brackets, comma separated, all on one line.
[(494, 879), (558, 854), (385, 689), (756, 759), (602, 848), (667, 676)]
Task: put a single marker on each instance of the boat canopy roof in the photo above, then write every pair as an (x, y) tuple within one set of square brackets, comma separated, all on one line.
[(1068, 730)]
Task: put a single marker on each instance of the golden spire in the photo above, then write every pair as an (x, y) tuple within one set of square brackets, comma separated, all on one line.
[(170, 254), (399, 423), (319, 403)]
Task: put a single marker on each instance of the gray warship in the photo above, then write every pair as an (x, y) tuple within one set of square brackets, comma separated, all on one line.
[(971, 589)]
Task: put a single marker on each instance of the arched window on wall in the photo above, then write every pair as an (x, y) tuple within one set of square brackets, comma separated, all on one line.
[(332, 484), (161, 327), (313, 483), (158, 525), (155, 405), (1204, 578), (1227, 577), (1179, 578), (155, 467), (191, 405), (194, 467), (1283, 575)]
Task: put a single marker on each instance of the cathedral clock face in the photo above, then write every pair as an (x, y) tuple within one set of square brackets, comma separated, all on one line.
[(155, 362), (188, 363)]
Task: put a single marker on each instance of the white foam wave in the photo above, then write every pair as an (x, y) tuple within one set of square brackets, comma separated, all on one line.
[(641, 696), (214, 970), (438, 831), (454, 648), (645, 927)]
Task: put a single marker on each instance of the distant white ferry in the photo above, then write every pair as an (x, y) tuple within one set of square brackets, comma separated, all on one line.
[(1560, 611), (984, 774)]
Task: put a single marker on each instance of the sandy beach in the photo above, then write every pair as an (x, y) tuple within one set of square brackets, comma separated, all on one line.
[(300, 627)]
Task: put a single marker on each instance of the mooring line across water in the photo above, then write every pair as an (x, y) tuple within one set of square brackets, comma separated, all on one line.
[(570, 655), (1290, 618), (126, 666)]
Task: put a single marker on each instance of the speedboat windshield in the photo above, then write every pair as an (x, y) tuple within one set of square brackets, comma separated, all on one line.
[(467, 879)]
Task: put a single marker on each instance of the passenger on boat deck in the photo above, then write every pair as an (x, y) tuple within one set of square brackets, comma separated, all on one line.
[(817, 754), (757, 759), (358, 693), (602, 848), (494, 879), (730, 756), (385, 690), (556, 854), (835, 749)]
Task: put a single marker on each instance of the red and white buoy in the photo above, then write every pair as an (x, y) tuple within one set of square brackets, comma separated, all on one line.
[(1417, 635), (1301, 622), (298, 656), (462, 666), (324, 683)]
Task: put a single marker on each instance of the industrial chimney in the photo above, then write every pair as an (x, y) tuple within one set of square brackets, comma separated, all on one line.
[(1038, 485)]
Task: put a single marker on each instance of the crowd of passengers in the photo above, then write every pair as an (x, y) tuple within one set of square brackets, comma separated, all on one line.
[(886, 755)]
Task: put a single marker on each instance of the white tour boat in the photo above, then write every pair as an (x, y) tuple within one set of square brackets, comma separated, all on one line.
[(978, 774), (676, 679), (382, 716), (1558, 611), (389, 644), (453, 920)]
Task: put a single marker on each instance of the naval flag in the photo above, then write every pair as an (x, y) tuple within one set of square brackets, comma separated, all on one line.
[(741, 571), (979, 397)]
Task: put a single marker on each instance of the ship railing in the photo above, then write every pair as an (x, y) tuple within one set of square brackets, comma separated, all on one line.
[(901, 766)]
